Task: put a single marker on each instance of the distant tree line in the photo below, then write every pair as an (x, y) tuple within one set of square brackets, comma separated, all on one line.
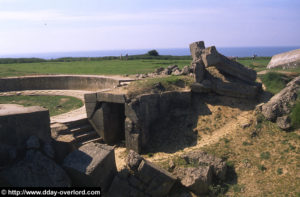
[(153, 54)]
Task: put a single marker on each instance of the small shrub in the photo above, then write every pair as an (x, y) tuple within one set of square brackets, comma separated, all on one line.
[(279, 171), (265, 155), (226, 140), (238, 188), (292, 147), (230, 164), (262, 168), (245, 143), (150, 154), (217, 190)]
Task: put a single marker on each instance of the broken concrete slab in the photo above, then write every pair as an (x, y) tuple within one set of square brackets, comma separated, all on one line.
[(92, 165), (201, 87), (121, 187), (133, 160), (35, 170), (198, 179), (284, 122), (211, 57), (199, 70), (280, 104), (205, 159), (159, 182), (196, 49), (147, 177), (238, 90)]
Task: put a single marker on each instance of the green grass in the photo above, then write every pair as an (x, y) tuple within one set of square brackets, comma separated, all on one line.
[(103, 67), (274, 82), (264, 168), (56, 104), (257, 64), (158, 85), (265, 155), (295, 114)]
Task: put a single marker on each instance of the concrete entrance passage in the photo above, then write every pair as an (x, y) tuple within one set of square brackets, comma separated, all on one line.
[(113, 122)]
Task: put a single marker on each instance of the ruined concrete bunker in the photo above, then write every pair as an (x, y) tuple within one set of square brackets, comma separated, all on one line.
[(116, 118)]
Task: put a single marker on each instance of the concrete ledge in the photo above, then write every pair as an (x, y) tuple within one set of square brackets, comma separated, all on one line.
[(50, 82)]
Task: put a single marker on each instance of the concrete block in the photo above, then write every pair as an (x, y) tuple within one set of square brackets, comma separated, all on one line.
[(18, 123), (92, 165), (159, 181)]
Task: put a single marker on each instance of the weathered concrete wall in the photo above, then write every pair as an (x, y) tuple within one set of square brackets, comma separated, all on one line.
[(18, 123), (48, 82), (290, 59), (142, 113)]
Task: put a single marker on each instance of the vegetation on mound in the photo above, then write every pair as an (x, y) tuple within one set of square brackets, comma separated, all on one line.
[(258, 64), (56, 104), (295, 114), (275, 82), (266, 164), (158, 85)]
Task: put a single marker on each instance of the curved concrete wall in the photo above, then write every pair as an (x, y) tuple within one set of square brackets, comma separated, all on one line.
[(48, 82)]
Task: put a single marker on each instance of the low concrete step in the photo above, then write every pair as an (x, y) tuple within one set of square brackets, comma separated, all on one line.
[(96, 140), (77, 123), (81, 129), (86, 136)]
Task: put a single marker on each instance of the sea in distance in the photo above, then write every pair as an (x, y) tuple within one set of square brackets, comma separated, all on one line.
[(227, 51)]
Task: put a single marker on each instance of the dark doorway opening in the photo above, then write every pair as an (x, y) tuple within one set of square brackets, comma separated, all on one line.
[(114, 122)]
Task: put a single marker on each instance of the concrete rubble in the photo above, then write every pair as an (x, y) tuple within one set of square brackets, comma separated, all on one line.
[(201, 171), (35, 170), (142, 178), (216, 73), (278, 107)]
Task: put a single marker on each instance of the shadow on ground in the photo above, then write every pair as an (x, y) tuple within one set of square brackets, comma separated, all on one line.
[(177, 131)]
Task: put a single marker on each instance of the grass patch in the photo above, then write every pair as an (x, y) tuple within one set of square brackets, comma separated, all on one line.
[(265, 155), (101, 67), (257, 64), (274, 82), (158, 85), (264, 168), (295, 114), (56, 104), (179, 161), (279, 171)]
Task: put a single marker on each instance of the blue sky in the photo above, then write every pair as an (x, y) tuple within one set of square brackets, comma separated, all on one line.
[(33, 26)]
